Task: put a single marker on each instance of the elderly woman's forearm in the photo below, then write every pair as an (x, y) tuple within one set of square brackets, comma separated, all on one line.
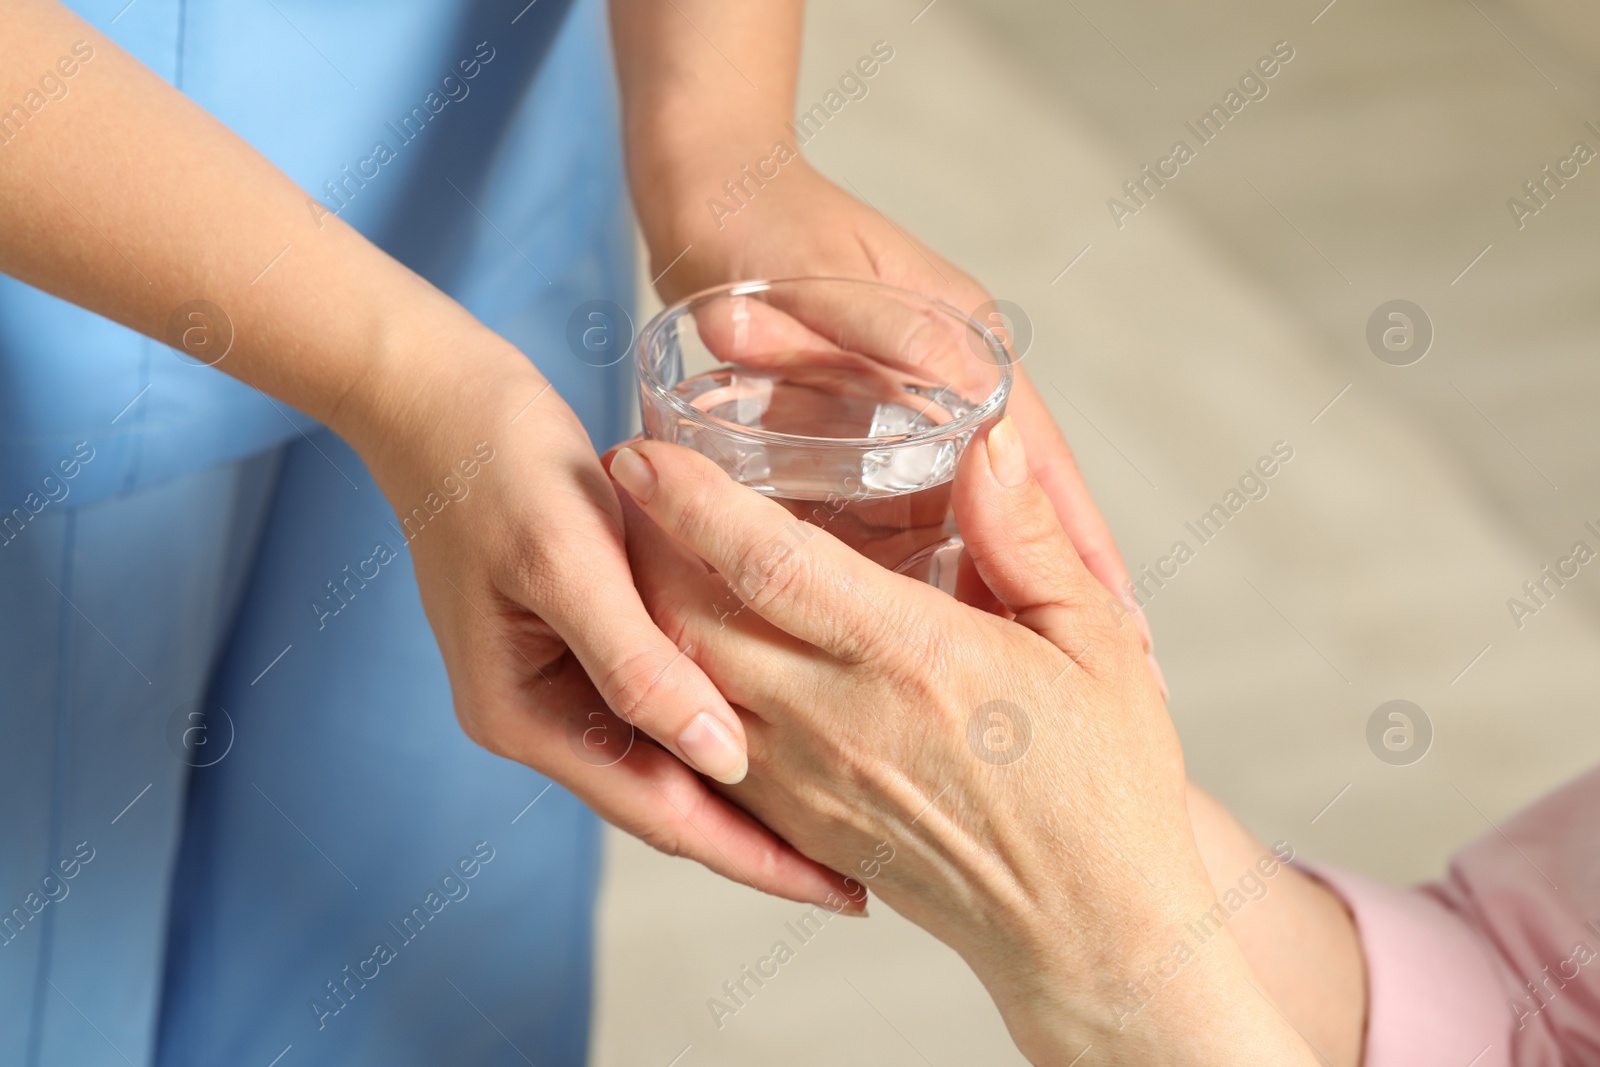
[(1295, 933)]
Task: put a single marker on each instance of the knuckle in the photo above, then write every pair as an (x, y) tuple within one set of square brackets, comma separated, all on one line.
[(674, 618), (632, 685), (859, 632), (923, 670), (693, 518), (1123, 660), (887, 632), (925, 343), (775, 567), (1104, 636), (670, 828), (1113, 623), (473, 725), (1091, 627), (661, 838), (1043, 547), (779, 583)]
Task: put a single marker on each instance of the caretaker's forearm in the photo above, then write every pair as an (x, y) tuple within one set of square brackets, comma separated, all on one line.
[(121, 195), (704, 82)]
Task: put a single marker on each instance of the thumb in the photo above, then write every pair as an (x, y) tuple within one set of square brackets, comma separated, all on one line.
[(647, 680), (1019, 548), (1052, 462)]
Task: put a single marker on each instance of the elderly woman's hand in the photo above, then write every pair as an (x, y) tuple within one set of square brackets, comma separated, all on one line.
[(1013, 785)]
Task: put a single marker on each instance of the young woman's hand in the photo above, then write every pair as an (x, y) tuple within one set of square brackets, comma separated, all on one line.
[(526, 582), (708, 90), (803, 225), (516, 536), (1015, 787)]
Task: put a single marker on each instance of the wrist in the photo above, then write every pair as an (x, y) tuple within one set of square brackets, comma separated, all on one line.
[(1154, 978), (680, 159), (433, 371), (1174, 1001)]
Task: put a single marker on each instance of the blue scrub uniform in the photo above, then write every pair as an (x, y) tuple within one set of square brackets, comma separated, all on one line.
[(239, 827)]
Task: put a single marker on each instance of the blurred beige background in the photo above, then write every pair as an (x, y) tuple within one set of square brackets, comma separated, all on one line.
[(1223, 317)]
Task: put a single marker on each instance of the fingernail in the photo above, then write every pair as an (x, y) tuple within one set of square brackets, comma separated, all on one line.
[(1161, 679), (1006, 456), (708, 745), (853, 905), (1144, 628), (634, 473)]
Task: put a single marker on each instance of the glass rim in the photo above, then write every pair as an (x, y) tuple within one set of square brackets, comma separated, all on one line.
[(652, 381)]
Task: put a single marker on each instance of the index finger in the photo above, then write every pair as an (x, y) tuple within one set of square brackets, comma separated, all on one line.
[(798, 577)]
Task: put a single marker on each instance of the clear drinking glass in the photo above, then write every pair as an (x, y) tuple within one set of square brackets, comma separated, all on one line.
[(848, 402)]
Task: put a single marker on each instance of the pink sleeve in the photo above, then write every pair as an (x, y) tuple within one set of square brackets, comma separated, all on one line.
[(1498, 965)]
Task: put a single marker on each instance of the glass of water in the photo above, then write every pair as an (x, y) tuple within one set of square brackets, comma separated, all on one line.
[(848, 402)]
